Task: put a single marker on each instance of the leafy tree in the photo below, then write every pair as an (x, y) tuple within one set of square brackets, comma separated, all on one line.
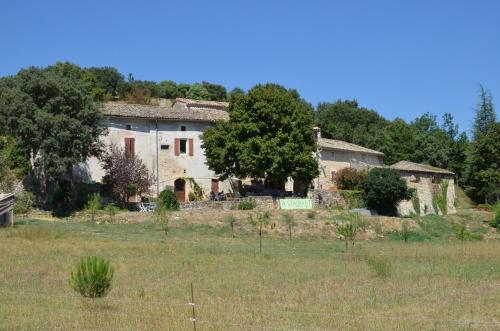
[(198, 92), (94, 205), (23, 203), (384, 189), (397, 141), (269, 135), (168, 199), (485, 113), (231, 220), (483, 166), (215, 92), (168, 89), (259, 221), (126, 174), (182, 90), (51, 114), (290, 223), (235, 92), (345, 120), (107, 82)]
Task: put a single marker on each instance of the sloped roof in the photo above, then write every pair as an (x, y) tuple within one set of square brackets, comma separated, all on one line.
[(122, 109), (417, 167), (345, 146), (202, 103)]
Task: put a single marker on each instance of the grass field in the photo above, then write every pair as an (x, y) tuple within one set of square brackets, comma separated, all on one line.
[(433, 283)]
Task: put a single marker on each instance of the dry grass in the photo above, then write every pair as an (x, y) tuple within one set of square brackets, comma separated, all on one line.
[(437, 285)]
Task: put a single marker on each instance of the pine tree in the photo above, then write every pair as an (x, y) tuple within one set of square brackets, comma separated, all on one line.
[(485, 113)]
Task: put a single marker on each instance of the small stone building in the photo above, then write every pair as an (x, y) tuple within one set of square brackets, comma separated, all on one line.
[(167, 139), (435, 189), (334, 155)]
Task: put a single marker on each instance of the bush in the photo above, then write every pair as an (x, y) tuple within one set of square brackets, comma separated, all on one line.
[(353, 199), (495, 222), (23, 203), (350, 179), (92, 277), (485, 207), (384, 189), (247, 204), (168, 199), (162, 218)]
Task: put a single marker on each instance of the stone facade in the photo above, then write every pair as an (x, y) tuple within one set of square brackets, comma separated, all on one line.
[(429, 189), (169, 147)]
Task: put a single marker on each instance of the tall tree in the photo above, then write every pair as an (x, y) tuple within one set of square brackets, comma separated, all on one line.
[(215, 92), (483, 168), (107, 83), (269, 135), (198, 92), (485, 113), (51, 113), (345, 120), (397, 141)]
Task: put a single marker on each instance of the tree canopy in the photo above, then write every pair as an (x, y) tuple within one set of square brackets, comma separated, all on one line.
[(51, 113), (269, 135)]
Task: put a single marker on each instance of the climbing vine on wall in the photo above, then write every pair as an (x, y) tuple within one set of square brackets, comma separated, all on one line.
[(440, 198), (416, 202), (197, 193)]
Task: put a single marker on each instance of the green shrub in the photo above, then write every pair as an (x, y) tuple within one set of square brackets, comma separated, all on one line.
[(23, 203), (92, 277), (405, 231), (93, 206), (247, 204), (353, 199), (350, 179), (495, 222), (384, 189), (440, 199), (348, 228), (415, 201), (168, 199)]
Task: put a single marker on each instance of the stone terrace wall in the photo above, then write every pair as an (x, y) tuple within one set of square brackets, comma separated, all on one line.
[(262, 202)]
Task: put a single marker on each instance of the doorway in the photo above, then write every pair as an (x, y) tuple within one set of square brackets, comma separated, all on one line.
[(215, 186), (180, 189)]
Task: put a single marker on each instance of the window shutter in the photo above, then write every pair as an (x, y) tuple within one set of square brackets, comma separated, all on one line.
[(127, 146), (191, 149), (177, 147), (132, 146)]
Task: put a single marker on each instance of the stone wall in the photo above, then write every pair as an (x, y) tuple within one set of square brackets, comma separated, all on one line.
[(427, 187), (262, 202)]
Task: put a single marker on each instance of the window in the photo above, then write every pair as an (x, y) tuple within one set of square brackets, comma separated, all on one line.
[(183, 128), (128, 127), (183, 146), (164, 147)]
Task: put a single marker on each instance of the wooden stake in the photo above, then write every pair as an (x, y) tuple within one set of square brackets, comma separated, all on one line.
[(193, 318)]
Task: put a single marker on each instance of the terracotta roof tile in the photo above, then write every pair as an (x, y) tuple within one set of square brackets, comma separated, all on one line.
[(202, 103), (417, 167), (121, 109), (345, 146)]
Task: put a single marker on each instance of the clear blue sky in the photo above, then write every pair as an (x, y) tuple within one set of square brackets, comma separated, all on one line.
[(401, 58)]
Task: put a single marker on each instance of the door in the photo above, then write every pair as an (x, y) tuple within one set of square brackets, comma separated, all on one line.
[(215, 186), (180, 189)]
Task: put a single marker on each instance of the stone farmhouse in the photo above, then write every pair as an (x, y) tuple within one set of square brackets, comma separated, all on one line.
[(334, 155), (167, 139)]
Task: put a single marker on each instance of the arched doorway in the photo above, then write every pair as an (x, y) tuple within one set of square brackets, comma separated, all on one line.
[(180, 189)]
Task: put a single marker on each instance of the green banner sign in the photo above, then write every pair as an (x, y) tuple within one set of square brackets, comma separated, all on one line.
[(295, 203)]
